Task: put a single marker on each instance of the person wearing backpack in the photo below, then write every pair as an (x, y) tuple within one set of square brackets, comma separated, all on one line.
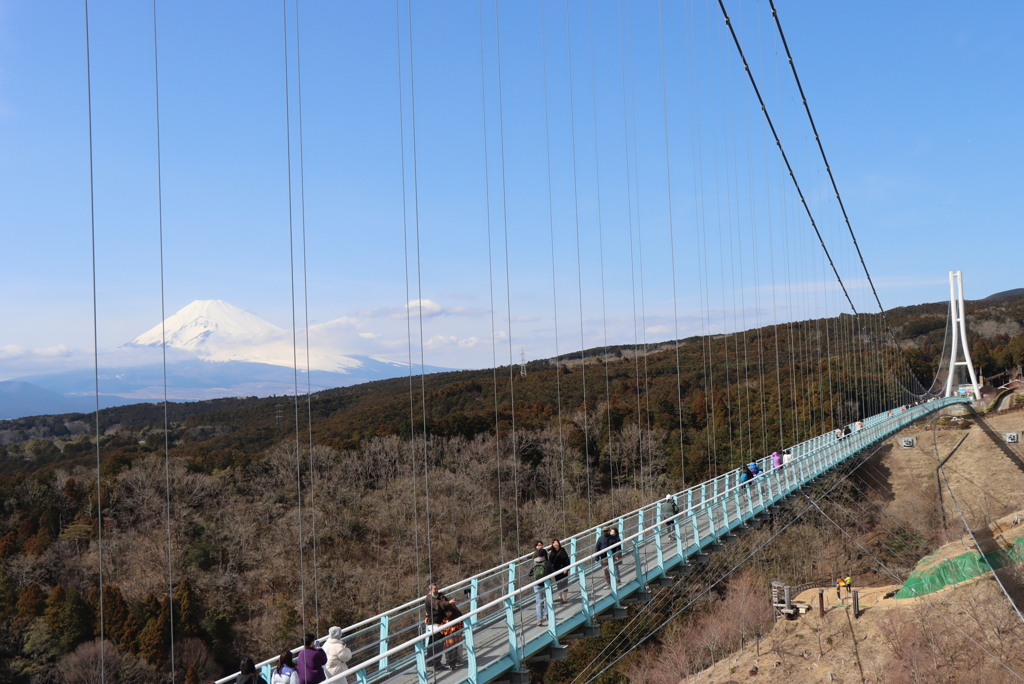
[(285, 672), (247, 673), (539, 571)]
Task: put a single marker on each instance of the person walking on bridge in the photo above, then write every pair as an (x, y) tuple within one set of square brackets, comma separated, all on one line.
[(558, 558), (541, 569), (310, 662), (776, 460), (668, 511), (603, 542)]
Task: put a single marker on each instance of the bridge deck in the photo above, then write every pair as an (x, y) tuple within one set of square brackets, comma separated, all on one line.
[(500, 630)]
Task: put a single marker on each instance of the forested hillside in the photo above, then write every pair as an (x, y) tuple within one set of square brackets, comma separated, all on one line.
[(509, 457)]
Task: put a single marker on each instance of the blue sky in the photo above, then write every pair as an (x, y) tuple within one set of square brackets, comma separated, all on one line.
[(919, 106)]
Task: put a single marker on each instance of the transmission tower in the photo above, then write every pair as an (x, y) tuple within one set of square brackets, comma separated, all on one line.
[(956, 309), (522, 362)]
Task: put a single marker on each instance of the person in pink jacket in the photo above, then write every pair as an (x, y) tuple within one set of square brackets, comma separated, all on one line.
[(776, 460)]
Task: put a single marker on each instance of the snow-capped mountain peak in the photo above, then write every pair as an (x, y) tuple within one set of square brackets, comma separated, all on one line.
[(204, 321)]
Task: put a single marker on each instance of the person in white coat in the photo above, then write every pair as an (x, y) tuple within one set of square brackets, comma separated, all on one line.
[(338, 654), (285, 672)]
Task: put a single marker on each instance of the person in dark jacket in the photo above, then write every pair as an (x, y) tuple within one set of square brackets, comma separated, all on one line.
[(434, 605), (247, 673), (452, 635), (603, 542), (558, 559), (310, 662), (616, 546)]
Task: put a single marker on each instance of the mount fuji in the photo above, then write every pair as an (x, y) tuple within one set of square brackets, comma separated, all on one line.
[(214, 350)]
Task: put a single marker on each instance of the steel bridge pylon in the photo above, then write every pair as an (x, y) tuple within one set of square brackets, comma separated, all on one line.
[(959, 316)]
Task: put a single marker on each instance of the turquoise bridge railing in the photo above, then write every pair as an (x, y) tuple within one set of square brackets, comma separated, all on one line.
[(499, 631)]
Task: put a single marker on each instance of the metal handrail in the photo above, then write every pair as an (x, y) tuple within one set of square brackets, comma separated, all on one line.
[(719, 487), (582, 562)]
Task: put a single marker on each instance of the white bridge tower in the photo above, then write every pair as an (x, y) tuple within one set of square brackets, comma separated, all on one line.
[(956, 310)]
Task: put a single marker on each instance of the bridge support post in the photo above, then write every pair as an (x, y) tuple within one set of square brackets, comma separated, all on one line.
[(421, 661), (549, 599), (657, 535), (638, 565), (469, 631), (581, 575), (383, 663), (678, 529), (510, 618)]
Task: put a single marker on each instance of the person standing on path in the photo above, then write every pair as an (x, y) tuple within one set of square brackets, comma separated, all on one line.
[(668, 511), (310, 661), (338, 654), (603, 542), (434, 605), (558, 559), (540, 570)]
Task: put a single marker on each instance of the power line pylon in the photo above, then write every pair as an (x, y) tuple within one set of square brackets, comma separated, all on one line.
[(956, 310), (522, 362)]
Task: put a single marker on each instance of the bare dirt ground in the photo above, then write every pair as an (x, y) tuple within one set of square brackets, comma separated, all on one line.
[(964, 633), (940, 637), (985, 473)]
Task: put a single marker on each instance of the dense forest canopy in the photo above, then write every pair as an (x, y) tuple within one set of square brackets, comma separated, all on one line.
[(589, 435)]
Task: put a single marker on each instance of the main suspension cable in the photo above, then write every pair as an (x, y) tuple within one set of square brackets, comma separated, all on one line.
[(163, 338)]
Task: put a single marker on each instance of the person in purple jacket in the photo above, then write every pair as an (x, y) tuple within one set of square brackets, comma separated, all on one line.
[(310, 662)]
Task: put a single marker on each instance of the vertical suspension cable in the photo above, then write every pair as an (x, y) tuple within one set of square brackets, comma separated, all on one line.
[(95, 341), (579, 265), (600, 236), (700, 227), (163, 336), (305, 304), (508, 288), (490, 283), (419, 288), (629, 206), (291, 269), (554, 289), (672, 243), (640, 260), (408, 301)]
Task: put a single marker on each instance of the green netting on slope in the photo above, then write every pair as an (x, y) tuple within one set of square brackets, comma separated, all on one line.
[(958, 569)]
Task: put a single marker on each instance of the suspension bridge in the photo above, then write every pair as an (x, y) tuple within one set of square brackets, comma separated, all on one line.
[(832, 351), (499, 632)]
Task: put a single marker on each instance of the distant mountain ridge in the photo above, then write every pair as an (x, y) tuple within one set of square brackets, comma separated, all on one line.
[(214, 350), (191, 327), (1007, 293)]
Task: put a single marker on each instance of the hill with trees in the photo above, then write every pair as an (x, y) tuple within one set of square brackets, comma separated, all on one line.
[(510, 458)]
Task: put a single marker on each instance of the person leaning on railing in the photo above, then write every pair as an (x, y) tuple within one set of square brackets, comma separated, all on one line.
[(434, 604)]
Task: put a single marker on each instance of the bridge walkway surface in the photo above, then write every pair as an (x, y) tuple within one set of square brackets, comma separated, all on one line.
[(499, 631)]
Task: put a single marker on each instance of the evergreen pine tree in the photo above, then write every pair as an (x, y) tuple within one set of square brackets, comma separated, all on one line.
[(187, 611), (31, 602), (190, 676), (155, 639), (68, 617)]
